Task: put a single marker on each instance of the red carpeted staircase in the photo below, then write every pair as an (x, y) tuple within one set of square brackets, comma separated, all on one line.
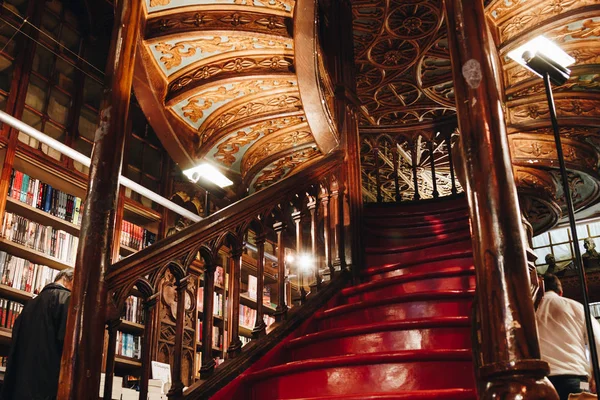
[(404, 333)]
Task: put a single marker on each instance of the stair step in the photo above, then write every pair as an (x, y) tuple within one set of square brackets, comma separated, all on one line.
[(446, 279), (425, 207), (353, 374), (416, 334), (429, 304), (463, 257), (396, 236), (415, 221), (416, 253), (442, 394)]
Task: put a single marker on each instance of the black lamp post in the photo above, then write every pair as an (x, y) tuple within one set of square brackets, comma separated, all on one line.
[(552, 72)]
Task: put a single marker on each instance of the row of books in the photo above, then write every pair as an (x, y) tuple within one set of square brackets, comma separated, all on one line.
[(9, 311), (245, 340), (45, 239), (136, 237), (248, 317), (134, 311), (44, 197), (22, 274), (216, 334), (595, 310), (129, 345), (3, 361)]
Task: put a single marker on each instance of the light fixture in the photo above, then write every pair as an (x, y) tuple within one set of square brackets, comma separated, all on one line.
[(305, 262), (289, 258), (542, 46), (209, 173), (550, 62)]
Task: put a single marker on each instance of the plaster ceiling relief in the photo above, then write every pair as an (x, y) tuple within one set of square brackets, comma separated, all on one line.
[(284, 167), (174, 55), (286, 6)]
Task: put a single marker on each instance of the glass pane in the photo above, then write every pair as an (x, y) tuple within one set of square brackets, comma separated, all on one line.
[(560, 235), (150, 184), (582, 231), (64, 74), (50, 26), (43, 61), (56, 133), (37, 92), (81, 168), (152, 138), (134, 156), (83, 147), (6, 73), (18, 6), (34, 120), (152, 162), (7, 39), (58, 106), (88, 122), (541, 240), (54, 5), (594, 229), (71, 19), (92, 93), (134, 174), (2, 103), (70, 39), (562, 251)]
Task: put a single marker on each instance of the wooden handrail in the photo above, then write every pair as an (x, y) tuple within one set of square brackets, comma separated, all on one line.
[(125, 272)]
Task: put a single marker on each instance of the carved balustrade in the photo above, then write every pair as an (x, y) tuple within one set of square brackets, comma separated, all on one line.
[(408, 168), (302, 216)]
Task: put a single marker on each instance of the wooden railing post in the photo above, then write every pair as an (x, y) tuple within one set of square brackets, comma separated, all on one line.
[(451, 163), (150, 310), (436, 194), (324, 201), (176, 390), (377, 174), (281, 310), (509, 348), (111, 348), (341, 223), (208, 362), (260, 327), (297, 218), (312, 209), (82, 356), (413, 153), (235, 345), (396, 162)]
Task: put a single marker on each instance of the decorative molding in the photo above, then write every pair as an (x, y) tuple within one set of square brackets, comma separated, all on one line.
[(284, 167)]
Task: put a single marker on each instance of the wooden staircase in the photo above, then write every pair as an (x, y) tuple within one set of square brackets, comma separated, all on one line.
[(403, 333)]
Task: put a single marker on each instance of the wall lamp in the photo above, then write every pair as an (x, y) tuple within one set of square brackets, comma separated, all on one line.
[(548, 61)]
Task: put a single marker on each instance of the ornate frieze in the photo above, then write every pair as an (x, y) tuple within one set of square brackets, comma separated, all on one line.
[(284, 167)]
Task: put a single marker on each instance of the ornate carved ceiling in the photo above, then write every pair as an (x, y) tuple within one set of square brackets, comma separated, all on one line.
[(218, 83), (404, 71)]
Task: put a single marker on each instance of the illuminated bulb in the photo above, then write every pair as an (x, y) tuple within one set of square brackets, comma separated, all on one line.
[(305, 262), (208, 172), (543, 46), (289, 258)]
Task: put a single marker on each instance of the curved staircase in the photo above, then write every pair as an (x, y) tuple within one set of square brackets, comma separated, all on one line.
[(404, 333)]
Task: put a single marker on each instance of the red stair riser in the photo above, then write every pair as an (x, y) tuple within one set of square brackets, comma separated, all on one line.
[(417, 221), (374, 259), (446, 394), (453, 283), (390, 377), (400, 311), (419, 208), (413, 339), (397, 237), (434, 266)]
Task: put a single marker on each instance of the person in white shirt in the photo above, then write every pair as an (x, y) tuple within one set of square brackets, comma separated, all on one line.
[(563, 338)]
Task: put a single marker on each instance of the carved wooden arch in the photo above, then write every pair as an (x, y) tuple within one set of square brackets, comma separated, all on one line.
[(143, 285), (176, 268)]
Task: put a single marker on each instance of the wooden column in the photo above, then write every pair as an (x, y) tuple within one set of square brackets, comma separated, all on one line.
[(176, 390), (82, 356), (110, 358), (260, 328), (511, 365), (297, 218), (324, 197), (335, 223), (208, 362), (312, 209), (341, 223), (149, 327), (235, 345), (281, 310)]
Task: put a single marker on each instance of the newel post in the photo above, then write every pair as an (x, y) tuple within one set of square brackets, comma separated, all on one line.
[(82, 356), (511, 366), (150, 311), (324, 201), (235, 345), (312, 209), (176, 390), (297, 218), (281, 310), (208, 362), (260, 327), (111, 348)]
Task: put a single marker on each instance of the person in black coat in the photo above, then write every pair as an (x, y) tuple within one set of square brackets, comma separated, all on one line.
[(38, 336)]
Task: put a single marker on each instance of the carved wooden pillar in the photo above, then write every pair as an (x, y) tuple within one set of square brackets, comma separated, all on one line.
[(324, 197), (335, 223), (82, 356), (260, 327), (341, 222), (312, 209), (431, 148), (510, 350), (413, 152), (451, 163), (281, 310), (208, 362), (235, 345), (176, 390), (297, 218), (110, 358), (150, 311)]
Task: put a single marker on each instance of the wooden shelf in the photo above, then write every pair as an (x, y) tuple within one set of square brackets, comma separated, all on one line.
[(127, 362), (247, 301), (126, 250), (39, 216), (34, 256), (131, 327), (5, 337), (10, 293), (246, 331), (138, 213)]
